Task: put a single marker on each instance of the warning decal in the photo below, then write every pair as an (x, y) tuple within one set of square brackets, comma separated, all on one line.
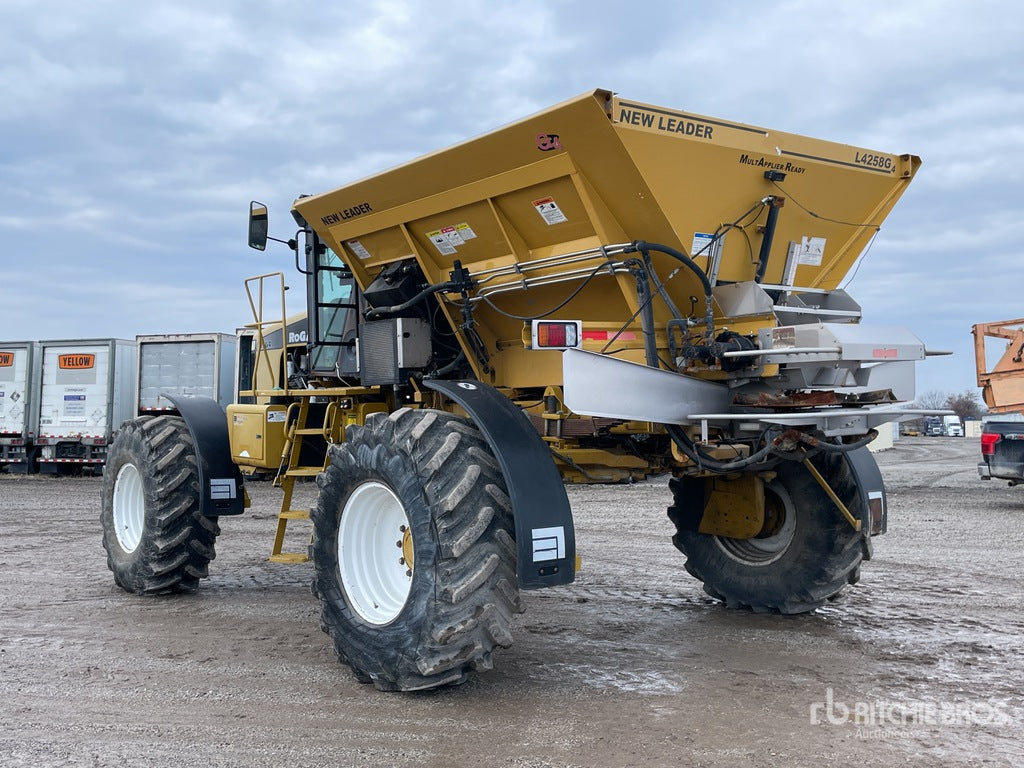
[(358, 249), (702, 244), (453, 236), (549, 210), (811, 250), (441, 242), (448, 239)]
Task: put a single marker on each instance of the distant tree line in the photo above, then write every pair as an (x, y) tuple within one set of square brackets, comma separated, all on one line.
[(965, 404)]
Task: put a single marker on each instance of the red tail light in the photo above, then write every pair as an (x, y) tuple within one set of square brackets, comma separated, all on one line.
[(988, 443), (557, 334)]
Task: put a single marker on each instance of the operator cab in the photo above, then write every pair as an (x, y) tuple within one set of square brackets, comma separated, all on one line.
[(333, 305), (333, 298)]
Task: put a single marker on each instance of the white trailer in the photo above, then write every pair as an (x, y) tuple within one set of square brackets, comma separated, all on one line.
[(19, 412), (187, 364), (86, 393)]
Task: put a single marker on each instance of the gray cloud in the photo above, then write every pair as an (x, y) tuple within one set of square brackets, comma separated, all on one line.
[(133, 135)]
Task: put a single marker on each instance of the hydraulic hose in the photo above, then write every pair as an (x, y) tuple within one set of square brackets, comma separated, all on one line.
[(643, 295), (644, 248), (374, 314), (838, 447), (660, 288), (444, 370), (690, 449)]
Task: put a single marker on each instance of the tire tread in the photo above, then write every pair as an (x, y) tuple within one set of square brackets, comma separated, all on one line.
[(177, 541), (806, 585), (474, 594)]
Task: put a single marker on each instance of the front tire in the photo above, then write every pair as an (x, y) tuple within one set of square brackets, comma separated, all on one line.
[(155, 537), (806, 554), (413, 551)]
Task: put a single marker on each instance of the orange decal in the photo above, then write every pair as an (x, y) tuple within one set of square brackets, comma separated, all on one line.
[(76, 361)]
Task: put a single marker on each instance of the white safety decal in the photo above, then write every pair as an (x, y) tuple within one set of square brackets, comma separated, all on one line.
[(550, 211), (548, 543), (223, 488)]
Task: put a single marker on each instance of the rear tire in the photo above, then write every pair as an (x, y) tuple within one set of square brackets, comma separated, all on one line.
[(413, 551), (808, 553), (155, 537)]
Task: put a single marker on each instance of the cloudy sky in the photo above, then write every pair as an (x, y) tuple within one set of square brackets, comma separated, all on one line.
[(134, 134)]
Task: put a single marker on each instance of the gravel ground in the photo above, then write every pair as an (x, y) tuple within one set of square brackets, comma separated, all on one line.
[(919, 664)]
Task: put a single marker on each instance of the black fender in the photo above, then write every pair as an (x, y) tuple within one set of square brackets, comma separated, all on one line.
[(220, 480), (874, 511), (545, 536)]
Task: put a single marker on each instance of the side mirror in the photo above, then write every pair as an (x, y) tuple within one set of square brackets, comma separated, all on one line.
[(258, 226)]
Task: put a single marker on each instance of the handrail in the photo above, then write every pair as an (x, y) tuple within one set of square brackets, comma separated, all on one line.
[(256, 304)]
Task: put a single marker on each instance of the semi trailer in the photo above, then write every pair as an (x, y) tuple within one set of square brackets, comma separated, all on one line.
[(185, 364), (19, 405), (601, 292), (86, 392)]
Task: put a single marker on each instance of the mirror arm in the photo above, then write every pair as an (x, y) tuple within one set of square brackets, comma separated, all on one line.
[(294, 245)]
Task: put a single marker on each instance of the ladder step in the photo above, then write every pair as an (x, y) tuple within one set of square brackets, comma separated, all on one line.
[(289, 557), (304, 471), (289, 470)]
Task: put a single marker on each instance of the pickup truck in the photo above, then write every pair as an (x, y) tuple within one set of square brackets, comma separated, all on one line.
[(1002, 451)]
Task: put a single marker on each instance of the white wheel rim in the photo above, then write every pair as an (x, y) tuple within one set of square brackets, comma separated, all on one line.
[(129, 507), (375, 567)]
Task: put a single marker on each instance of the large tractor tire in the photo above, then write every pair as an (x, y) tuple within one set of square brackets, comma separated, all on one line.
[(414, 552), (806, 553), (156, 539)]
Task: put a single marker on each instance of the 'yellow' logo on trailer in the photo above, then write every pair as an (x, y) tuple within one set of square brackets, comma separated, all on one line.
[(6, 359), (76, 362)]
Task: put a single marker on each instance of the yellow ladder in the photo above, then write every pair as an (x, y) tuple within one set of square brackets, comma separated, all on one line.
[(291, 469)]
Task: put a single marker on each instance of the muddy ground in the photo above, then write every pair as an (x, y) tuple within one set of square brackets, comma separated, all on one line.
[(920, 664)]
